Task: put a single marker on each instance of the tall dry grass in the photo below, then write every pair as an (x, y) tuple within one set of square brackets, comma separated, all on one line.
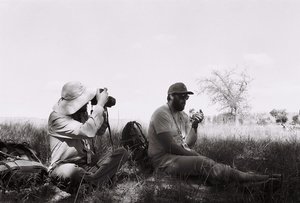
[(30, 133), (261, 149)]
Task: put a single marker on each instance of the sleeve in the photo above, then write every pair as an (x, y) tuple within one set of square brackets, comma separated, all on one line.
[(162, 122), (66, 127)]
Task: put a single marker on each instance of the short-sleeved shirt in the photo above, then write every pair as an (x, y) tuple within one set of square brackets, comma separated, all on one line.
[(161, 121)]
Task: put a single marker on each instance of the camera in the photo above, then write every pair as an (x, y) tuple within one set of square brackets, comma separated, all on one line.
[(110, 100)]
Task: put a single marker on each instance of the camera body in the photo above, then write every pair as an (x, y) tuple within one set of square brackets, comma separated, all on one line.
[(111, 101)]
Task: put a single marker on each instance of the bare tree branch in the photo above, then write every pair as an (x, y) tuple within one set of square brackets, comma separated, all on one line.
[(228, 89)]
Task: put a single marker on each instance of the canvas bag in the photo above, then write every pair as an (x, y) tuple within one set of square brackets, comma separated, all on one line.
[(19, 166)]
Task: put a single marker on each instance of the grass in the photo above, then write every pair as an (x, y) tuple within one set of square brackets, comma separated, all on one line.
[(35, 136), (262, 149)]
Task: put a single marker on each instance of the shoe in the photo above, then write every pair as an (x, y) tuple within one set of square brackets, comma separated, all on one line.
[(275, 176)]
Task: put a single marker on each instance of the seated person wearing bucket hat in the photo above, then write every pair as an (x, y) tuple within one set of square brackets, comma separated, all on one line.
[(72, 132), (171, 137)]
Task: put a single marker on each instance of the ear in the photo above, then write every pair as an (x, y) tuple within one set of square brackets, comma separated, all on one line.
[(171, 97)]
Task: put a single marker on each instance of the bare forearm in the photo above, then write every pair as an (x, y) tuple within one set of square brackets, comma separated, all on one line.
[(179, 150), (192, 137), (170, 146)]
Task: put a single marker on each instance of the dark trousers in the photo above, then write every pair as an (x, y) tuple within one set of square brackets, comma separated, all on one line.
[(206, 168), (69, 175)]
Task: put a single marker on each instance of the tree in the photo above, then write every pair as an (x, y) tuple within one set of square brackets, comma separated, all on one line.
[(279, 115), (228, 89), (296, 119)]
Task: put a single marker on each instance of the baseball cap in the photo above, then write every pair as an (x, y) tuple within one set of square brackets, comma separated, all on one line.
[(178, 88)]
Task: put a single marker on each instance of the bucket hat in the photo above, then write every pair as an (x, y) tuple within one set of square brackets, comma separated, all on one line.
[(74, 95)]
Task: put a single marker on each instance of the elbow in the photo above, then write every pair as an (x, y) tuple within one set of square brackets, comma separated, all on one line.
[(191, 145), (192, 142), (87, 134), (173, 149)]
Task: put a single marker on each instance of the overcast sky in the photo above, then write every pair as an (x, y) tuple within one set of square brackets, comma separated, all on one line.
[(137, 49)]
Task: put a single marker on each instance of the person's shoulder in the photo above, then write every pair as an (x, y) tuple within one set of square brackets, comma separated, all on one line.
[(54, 117), (162, 110)]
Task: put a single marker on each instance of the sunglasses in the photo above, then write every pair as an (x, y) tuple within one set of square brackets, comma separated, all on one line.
[(183, 96)]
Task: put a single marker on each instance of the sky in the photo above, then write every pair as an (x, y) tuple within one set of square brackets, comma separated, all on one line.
[(137, 49)]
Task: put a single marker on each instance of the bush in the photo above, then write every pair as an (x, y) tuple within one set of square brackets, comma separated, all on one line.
[(279, 115), (296, 119)]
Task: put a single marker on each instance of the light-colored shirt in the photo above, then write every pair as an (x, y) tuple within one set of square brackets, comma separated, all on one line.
[(162, 121), (70, 140)]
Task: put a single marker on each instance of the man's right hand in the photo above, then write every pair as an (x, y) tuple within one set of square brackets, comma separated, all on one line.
[(102, 97), (197, 118)]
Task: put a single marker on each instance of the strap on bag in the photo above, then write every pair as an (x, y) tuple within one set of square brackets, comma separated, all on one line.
[(140, 129)]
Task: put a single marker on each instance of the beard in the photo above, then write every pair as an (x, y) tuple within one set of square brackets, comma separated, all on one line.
[(81, 115), (178, 105)]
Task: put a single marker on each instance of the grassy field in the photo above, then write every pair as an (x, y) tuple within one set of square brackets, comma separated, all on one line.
[(263, 149)]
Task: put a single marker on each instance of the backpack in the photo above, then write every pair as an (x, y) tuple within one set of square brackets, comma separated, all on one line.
[(20, 167), (134, 140)]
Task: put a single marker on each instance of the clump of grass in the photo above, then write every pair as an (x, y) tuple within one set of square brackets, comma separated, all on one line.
[(258, 149), (244, 132), (35, 136)]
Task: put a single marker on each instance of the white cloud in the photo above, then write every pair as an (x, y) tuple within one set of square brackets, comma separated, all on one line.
[(258, 59)]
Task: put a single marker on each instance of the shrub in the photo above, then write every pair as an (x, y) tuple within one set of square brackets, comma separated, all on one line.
[(279, 115), (296, 119)]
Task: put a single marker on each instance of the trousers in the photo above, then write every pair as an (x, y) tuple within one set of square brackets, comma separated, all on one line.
[(69, 175), (204, 167)]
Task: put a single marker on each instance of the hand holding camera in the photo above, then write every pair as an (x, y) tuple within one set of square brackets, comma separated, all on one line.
[(197, 118), (103, 99)]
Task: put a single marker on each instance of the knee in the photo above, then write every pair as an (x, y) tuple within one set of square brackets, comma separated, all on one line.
[(67, 176), (217, 171), (173, 167), (67, 171), (220, 172)]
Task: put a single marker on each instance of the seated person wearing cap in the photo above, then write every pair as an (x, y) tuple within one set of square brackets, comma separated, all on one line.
[(72, 133), (171, 137)]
